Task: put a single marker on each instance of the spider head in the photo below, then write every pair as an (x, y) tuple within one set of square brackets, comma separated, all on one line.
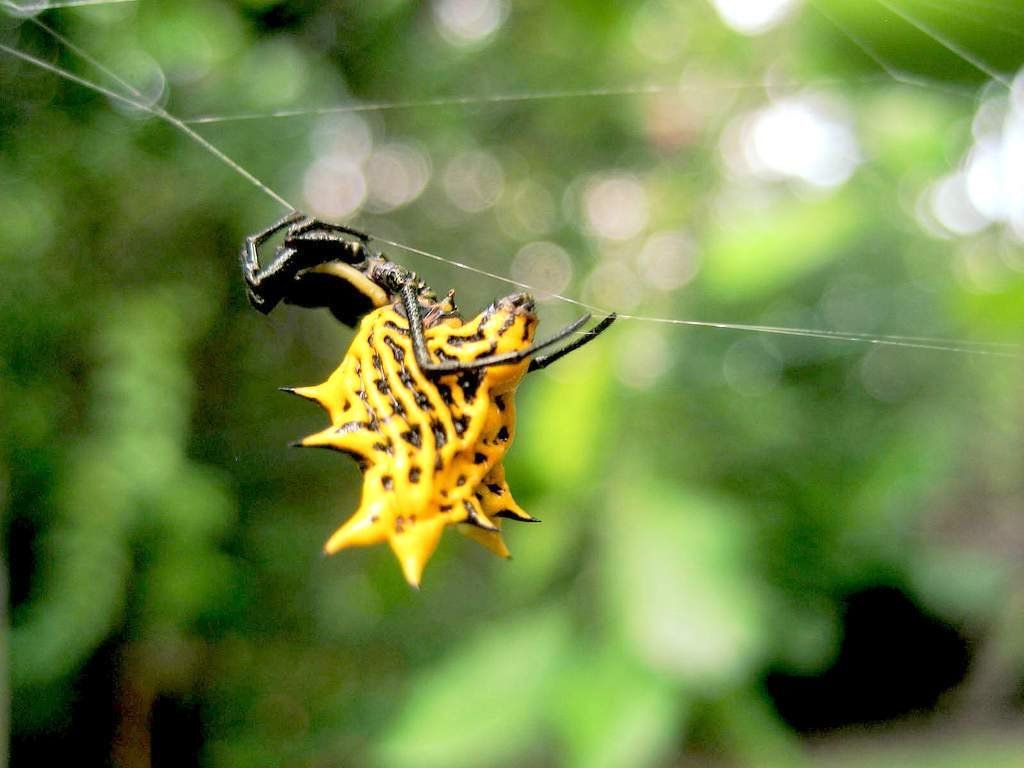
[(513, 320), (508, 325)]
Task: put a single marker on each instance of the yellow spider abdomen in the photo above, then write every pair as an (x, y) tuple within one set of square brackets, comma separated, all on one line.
[(430, 448)]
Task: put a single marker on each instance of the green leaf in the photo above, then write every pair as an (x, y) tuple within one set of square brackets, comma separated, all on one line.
[(761, 251), (680, 584), (976, 750), (610, 712), (561, 436), (961, 583), (485, 704)]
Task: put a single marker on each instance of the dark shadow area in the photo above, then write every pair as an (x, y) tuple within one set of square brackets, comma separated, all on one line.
[(86, 727), (895, 660), (177, 732), (21, 554)]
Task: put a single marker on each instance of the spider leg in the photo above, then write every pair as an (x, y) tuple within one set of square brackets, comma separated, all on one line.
[(507, 358), (544, 361), (250, 251), (411, 305), (265, 285), (314, 232), (307, 243), (317, 225)]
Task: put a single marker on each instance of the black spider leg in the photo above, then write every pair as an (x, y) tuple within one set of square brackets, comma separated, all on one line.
[(268, 285), (419, 343), (265, 286), (314, 230), (543, 362)]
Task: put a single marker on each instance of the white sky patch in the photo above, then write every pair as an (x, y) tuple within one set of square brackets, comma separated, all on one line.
[(615, 206), (988, 186), (952, 207), (986, 178), (804, 137), (468, 22), (752, 17), (995, 168)]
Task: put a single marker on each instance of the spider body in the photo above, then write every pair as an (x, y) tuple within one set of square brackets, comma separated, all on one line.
[(422, 400)]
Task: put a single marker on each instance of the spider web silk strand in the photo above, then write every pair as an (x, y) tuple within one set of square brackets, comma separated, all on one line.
[(154, 110), (997, 349)]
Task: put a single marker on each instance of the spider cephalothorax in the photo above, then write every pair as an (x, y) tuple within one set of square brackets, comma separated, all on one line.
[(422, 400)]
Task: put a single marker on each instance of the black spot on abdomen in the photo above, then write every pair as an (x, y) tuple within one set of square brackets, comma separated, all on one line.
[(469, 383), (440, 434), (413, 437)]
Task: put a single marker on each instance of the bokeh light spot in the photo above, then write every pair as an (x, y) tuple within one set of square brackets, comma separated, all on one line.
[(544, 266), (799, 137), (750, 369), (278, 74), (473, 180), (468, 22), (396, 174), (752, 17), (883, 375), (644, 356), (333, 189), (988, 186), (343, 137), (147, 77), (668, 260), (527, 210), (659, 31), (615, 206), (951, 206), (982, 268), (613, 284)]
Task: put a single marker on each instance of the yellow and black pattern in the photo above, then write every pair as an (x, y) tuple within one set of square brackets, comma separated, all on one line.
[(430, 448)]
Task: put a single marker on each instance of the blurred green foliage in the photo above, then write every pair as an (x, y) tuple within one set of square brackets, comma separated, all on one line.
[(711, 498)]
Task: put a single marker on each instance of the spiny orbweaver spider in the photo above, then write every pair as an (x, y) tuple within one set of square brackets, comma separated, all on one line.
[(422, 400)]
